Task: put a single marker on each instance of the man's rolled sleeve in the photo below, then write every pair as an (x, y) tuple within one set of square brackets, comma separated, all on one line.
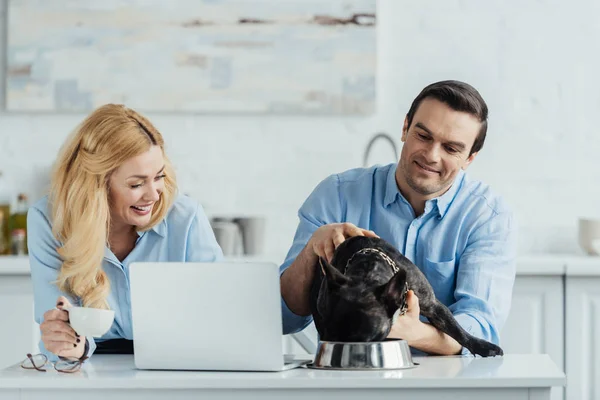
[(485, 278), (320, 208)]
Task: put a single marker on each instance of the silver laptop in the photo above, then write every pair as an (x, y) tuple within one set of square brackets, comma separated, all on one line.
[(222, 316)]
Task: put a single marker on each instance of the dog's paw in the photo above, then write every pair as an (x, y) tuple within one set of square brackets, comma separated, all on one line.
[(486, 349)]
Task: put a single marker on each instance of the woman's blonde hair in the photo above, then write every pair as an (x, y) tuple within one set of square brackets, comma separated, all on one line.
[(79, 195)]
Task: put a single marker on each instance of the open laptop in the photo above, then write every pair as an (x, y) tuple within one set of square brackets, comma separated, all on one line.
[(223, 316)]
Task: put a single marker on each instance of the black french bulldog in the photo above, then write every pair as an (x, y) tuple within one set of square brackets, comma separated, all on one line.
[(365, 289)]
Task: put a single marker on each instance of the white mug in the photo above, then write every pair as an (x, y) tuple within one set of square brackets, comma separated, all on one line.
[(589, 235), (228, 236), (253, 234), (91, 322)]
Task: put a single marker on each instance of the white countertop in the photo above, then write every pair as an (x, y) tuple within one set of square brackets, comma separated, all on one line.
[(19, 265), (558, 264), (14, 265), (118, 372), (530, 264)]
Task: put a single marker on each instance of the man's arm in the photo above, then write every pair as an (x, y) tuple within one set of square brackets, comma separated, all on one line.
[(321, 207), (420, 335), (319, 232), (296, 281), (485, 278), (432, 341)]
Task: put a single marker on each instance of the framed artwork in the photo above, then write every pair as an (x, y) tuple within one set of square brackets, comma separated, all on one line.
[(211, 56)]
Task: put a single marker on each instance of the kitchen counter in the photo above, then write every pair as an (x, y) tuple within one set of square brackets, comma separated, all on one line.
[(532, 264), (114, 376), (558, 264), (19, 265), (14, 265)]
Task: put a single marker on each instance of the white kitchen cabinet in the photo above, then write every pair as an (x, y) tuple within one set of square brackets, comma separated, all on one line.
[(18, 331), (536, 320), (583, 337)]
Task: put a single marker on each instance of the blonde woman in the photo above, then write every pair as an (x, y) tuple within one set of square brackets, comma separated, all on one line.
[(113, 200)]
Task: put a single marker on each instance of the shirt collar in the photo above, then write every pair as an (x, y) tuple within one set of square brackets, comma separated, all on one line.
[(109, 254), (391, 187), (442, 203), (160, 228)]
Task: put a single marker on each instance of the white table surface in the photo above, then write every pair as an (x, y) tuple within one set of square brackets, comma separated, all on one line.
[(118, 372)]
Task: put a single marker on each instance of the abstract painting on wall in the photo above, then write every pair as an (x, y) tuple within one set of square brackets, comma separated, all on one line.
[(210, 56)]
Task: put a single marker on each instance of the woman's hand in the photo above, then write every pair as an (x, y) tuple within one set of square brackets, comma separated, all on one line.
[(328, 237), (57, 335)]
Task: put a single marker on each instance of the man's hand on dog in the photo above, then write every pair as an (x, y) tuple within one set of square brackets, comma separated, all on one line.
[(408, 326), (328, 237)]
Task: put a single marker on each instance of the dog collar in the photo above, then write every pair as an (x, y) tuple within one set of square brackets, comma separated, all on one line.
[(403, 307), (380, 253)]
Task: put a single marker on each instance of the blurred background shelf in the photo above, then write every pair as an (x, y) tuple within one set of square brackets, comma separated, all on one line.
[(19, 265), (530, 265), (14, 265)]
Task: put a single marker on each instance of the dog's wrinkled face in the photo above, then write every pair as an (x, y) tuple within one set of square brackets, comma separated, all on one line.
[(354, 311)]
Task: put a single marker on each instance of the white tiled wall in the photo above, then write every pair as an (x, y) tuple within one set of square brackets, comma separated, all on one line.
[(535, 62)]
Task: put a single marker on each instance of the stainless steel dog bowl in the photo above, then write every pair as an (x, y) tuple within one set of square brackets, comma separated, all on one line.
[(389, 354)]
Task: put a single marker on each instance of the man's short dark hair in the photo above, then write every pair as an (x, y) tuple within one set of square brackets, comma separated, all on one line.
[(459, 96)]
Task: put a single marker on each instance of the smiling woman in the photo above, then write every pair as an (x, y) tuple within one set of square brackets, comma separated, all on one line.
[(135, 188), (113, 201), (91, 202)]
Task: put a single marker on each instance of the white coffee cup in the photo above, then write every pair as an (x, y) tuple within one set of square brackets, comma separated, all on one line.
[(92, 322), (589, 235), (228, 236), (253, 234)]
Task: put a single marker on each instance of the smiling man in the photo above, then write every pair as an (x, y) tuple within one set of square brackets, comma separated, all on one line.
[(460, 234)]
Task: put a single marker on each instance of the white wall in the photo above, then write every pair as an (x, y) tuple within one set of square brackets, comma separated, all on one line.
[(535, 62)]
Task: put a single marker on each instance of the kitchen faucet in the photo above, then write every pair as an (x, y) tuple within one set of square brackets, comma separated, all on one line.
[(377, 136)]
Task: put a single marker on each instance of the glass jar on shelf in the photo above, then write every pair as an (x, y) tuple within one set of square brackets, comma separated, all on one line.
[(18, 225), (4, 242), (5, 208), (18, 242)]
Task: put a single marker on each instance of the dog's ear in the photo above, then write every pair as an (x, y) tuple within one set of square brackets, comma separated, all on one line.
[(393, 293), (334, 277)]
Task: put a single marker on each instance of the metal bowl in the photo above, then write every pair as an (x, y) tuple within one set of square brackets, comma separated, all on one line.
[(389, 354)]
